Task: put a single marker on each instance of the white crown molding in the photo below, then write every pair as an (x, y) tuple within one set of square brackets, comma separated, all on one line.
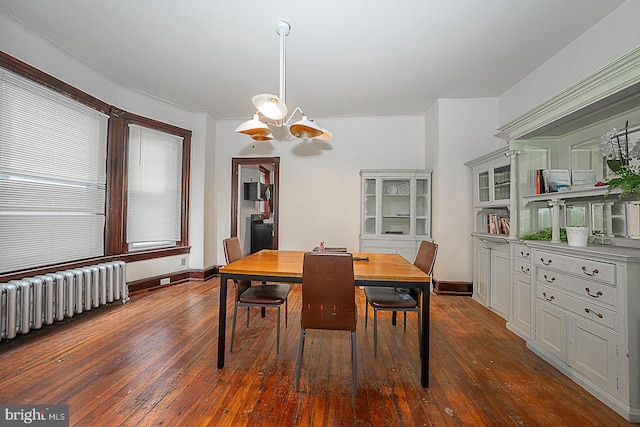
[(613, 78)]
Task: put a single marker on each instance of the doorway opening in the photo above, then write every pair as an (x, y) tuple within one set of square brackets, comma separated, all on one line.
[(255, 189)]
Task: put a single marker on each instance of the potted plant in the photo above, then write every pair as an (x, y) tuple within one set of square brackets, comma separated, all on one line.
[(620, 151)]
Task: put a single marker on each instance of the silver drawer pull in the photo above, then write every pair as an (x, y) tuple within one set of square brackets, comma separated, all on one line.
[(524, 270), (544, 294), (524, 255), (591, 311), (598, 294), (553, 279), (545, 262), (593, 273)]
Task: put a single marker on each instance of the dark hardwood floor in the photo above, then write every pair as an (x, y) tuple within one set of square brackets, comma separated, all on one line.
[(153, 362)]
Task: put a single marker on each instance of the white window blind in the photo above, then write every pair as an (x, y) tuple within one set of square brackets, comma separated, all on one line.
[(154, 188), (52, 176)]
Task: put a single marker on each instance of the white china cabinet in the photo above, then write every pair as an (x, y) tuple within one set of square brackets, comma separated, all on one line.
[(395, 211)]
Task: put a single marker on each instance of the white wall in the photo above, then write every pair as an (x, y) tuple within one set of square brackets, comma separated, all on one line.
[(319, 180), (611, 38), (462, 129)]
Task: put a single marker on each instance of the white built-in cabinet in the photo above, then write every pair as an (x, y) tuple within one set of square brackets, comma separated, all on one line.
[(491, 255), (577, 307), (491, 273), (586, 303), (395, 211)]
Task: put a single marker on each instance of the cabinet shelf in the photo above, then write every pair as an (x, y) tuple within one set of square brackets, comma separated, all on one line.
[(598, 193)]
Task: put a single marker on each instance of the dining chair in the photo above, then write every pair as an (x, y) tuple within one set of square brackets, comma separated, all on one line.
[(328, 300), (248, 295), (392, 299)]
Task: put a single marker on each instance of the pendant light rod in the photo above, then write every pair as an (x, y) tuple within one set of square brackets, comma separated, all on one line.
[(283, 28), (273, 107)]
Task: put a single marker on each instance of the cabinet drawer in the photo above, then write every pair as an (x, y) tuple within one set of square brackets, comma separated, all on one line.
[(584, 268), (523, 267), (596, 313), (522, 253), (588, 289)]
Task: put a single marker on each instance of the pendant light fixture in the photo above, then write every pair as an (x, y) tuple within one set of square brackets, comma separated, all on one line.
[(272, 109)]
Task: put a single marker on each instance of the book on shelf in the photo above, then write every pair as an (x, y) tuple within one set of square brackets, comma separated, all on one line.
[(556, 180), (583, 177), (540, 186), (506, 226), (497, 224)]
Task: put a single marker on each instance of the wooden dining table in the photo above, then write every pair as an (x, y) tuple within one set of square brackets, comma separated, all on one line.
[(389, 270)]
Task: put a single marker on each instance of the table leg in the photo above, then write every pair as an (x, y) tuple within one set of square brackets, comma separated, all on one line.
[(222, 319), (424, 342)]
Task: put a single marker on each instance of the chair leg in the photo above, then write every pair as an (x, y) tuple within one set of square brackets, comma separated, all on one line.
[(233, 326), (405, 322), (366, 312), (247, 317), (375, 332), (286, 312), (298, 365), (419, 329), (354, 362), (278, 332)]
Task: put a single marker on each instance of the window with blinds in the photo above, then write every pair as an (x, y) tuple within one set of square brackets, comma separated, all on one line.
[(154, 188), (52, 176)]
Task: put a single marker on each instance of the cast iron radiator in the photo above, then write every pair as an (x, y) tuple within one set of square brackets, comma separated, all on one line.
[(32, 302)]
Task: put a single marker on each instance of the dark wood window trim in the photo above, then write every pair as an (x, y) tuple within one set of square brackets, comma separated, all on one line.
[(117, 239), (115, 227)]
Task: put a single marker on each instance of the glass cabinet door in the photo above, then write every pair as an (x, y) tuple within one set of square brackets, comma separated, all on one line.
[(369, 207), (502, 183), (483, 187), (423, 207), (396, 206)]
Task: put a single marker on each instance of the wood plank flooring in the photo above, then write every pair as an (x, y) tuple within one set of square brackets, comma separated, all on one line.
[(153, 362)]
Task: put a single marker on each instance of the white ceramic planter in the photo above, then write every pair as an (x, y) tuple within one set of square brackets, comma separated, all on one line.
[(577, 236)]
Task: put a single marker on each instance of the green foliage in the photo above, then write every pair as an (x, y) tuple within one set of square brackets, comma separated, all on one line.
[(545, 234), (628, 180)]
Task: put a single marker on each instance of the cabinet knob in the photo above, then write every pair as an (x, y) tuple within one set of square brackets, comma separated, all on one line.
[(553, 279), (524, 255), (551, 298), (524, 270), (546, 262)]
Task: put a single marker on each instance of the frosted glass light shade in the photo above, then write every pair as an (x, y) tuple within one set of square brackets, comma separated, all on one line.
[(270, 106)]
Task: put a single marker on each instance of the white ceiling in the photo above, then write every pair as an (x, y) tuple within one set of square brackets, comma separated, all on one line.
[(344, 57)]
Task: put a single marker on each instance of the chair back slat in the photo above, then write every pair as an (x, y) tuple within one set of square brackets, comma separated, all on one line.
[(233, 252), (328, 291), (232, 249), (426, 257)]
